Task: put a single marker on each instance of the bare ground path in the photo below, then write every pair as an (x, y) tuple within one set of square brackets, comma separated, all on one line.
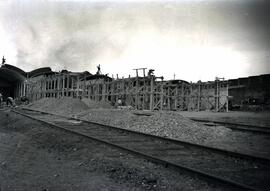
[(35, 157)]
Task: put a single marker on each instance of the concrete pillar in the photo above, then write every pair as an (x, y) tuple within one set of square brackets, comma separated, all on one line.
[(68, 81), (152, 94), (77, 86), (217, 96), (84, 85), (24, 88), (199, 97), (58, 86), (176, 98), (63, 84), (72, 86), (227, 100), (161, 96)]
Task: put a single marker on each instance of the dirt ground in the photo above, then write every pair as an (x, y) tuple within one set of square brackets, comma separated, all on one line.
[(36, 157), (170, 124), (253, 118)]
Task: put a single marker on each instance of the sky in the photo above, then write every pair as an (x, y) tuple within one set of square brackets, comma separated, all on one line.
[(186, 39)]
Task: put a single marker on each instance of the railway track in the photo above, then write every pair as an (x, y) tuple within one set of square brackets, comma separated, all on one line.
[(235, 126), (241, 172)]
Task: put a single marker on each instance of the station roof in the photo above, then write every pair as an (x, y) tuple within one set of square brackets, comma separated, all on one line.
[(12, 74)]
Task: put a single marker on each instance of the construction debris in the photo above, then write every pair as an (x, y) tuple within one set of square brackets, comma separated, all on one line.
[(166, 123), (96, 105), (67, 106), (163, 123)]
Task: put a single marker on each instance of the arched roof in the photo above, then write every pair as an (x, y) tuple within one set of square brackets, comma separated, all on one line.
[(12, 74), (39, 71)]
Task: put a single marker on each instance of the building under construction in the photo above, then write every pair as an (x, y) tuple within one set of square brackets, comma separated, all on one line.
[(143, 91)]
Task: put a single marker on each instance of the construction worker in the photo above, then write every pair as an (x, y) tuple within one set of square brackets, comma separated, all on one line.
[(98, 71), (25, 100), (151, 72), (10, 101), (119, 102), (3, 60)]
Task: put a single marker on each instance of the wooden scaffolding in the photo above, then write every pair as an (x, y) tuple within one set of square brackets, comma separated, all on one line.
[(143, 93)]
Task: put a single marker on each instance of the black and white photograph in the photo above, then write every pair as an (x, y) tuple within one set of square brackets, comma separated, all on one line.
[(134, 95)]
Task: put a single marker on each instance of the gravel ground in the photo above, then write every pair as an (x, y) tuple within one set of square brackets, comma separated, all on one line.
[(35, 157), (167, 124), (252, 118), (174, 125), (248, 172)]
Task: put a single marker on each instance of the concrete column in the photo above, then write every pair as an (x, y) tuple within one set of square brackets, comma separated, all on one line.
[(77, 86), (217, 96), (84, 85), (161, 96), (199, 96), (72, 86), (104, 92), (176, 98), (169, 99), (152, 94), (227, 100), (68, 81), (89, 91), (20, 90), (63, 84), (58, 86), (24, 88), (54, 87)]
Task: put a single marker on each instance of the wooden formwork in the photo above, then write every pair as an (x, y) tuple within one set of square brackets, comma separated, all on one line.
[(208, 96), (146, 93)]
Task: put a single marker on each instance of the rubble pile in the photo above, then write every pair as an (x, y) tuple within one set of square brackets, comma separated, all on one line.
[(95, 105), (65, 106), (162, 123)]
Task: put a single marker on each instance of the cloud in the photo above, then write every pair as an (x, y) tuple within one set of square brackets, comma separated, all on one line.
[(121, 36)]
